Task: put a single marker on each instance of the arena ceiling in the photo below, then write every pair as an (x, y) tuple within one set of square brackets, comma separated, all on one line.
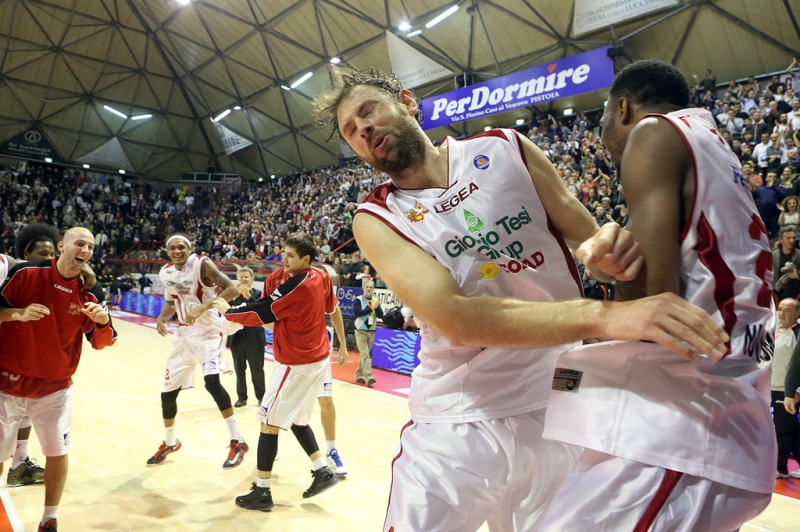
[(62, 61)]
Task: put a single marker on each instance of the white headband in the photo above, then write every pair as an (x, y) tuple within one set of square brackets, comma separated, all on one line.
[(179, 237)]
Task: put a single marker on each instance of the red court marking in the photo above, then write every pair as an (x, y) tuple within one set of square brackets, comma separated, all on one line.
[(5, 522)]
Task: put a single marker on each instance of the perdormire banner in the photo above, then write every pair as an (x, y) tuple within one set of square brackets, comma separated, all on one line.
[(594, 14), (572, 75)]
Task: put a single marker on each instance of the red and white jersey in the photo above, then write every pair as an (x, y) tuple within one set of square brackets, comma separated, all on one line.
[(642, 402), (185, 287), (4, 262), (726, 262), (488, 228)]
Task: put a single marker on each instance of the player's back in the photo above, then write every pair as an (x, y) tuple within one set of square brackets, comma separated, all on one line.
[(726, 259)]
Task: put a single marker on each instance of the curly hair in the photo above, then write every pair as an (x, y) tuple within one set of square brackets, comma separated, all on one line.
[(33, 233), (344, 80), (651, 83)]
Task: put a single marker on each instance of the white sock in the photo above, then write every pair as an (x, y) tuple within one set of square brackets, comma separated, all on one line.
[(234, 429), (50, 512), (263, 482), (20, 454), (331, 445), (319, 463), (169, 436)]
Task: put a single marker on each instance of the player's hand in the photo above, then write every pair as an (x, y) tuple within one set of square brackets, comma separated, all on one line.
[(161, 326), (343, 355), (611, 253), (221, 305), (87, 279), (790, 405), (33, 312), (669, 320), (193, 315), (96, 313)]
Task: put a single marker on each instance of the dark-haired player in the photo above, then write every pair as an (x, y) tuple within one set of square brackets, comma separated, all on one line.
[(673, 444), (302, 353), (191, 283)]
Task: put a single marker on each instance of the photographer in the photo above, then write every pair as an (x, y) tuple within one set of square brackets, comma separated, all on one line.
[(785, 263)]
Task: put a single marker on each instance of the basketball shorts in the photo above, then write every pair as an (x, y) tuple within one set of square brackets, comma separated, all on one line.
[(456, 476), (291, 394), (191, 347), (608, 493), (51, 416)]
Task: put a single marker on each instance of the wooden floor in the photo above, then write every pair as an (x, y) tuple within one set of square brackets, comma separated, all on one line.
[(117, 426)]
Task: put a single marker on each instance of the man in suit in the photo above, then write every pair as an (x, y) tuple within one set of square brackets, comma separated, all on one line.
[(247, 345)]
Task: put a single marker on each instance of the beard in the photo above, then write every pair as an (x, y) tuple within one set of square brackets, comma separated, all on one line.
[(408, 151)]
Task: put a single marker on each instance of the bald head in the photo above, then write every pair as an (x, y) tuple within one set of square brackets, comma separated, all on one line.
[(76, 249), (78, 232)]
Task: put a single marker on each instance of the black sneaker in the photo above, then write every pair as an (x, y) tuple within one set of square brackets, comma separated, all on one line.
[(324, 478), (257, 499), (162, 452), (371, 383), (49, 526), (361, 381)]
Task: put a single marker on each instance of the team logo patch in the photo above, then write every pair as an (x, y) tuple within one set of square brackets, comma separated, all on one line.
[(489, 270), (66, 439), (567, 380), (481, 162), (209, 365), (327, 386), (262, 411), (417, 212), (74, 309)]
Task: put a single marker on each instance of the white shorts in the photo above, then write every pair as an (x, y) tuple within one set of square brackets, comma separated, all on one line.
[(51, 416), (608, 493), (326, 390), (291, 394), (192, 346), (449, 476)]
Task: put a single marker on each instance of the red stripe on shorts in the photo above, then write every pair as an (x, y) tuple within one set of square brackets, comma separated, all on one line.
[(668, 484), (391, 529), (280, 386)]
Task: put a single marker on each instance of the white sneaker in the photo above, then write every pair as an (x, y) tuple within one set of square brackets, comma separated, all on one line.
[(783, 475), (795, 473), (335, 463)]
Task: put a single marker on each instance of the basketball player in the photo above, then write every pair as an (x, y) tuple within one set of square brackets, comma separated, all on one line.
[(302, 361), (473, 236), (673, 444), (43, 300), (34, 242), (325, 397), (190, 285)]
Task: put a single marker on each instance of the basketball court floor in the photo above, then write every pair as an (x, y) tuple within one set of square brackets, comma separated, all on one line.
[(116, 427)]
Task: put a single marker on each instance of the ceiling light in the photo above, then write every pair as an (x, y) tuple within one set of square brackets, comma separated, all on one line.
[(222, 115), (237, 107), (441, 17), (335, 60), (284, 87), (112, 110), (404, 26), (121, 171), (48, 160), (568, 111), (487, 128), (86, 166), (184, 2), (520, 121), (414, 33), (301, 80), (141, 117), (272, 176)]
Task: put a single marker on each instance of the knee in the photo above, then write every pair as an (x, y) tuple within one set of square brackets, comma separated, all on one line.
[(214, 387), (169, 404)]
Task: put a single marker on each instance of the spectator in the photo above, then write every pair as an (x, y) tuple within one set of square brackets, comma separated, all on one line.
[(787, 428), (785, 265)]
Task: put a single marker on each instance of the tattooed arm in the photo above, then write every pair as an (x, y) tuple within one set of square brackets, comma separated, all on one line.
[(211, 276)]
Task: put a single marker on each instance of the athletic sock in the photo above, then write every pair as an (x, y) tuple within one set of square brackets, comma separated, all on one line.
[(20, 454), (50, 512), (331, 445), (169, 436), (233, 428), (319, 463), (263, 482)]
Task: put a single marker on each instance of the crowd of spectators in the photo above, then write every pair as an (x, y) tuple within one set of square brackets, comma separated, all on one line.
[(760, 120)]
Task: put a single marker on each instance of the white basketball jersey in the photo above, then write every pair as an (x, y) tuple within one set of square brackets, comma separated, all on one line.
[(643, 402), (185, 287), (3, 268), (489, 229)]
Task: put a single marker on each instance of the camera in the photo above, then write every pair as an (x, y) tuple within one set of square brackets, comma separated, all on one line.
[(789, 266)]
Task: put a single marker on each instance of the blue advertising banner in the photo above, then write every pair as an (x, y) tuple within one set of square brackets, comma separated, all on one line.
[(142, 304), (347, 296), (396, 350), (572, 75)]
